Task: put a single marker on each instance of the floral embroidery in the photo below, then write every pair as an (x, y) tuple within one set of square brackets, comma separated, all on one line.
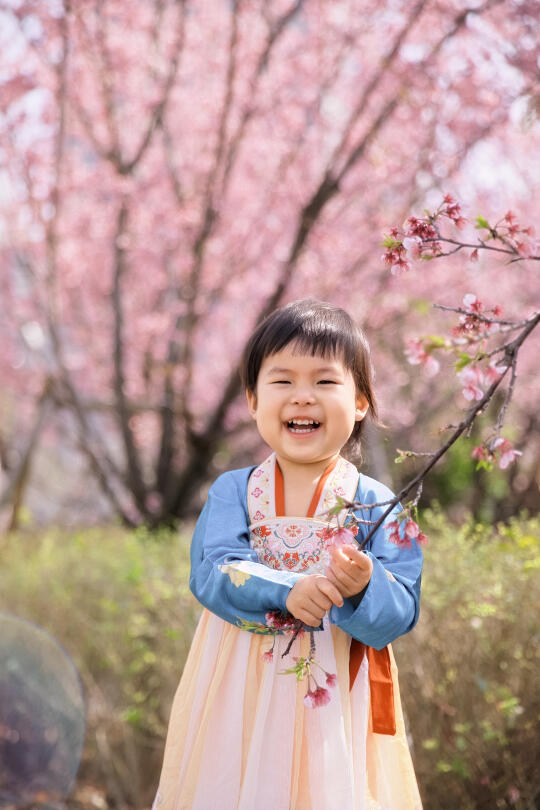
[(290, 560), (292, 530), (258, 472), (256, 492), (236, 575), (258, 515), (262, 531)]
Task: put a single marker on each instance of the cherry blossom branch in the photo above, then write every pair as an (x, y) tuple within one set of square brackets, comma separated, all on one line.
[(511, 352)]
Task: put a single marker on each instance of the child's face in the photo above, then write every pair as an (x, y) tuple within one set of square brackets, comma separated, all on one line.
[(316, 389)]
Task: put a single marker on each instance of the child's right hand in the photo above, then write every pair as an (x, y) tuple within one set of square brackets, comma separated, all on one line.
[(311, 597)]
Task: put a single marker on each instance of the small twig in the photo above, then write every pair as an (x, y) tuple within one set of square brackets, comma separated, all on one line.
[(298, 628)]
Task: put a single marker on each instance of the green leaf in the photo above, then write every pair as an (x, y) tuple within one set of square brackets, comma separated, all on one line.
[(464, 360), (390, 242), (436, 341), (481, 222), (337, 508)]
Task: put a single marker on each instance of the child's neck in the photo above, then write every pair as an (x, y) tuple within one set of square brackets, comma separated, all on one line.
[(299, 483)]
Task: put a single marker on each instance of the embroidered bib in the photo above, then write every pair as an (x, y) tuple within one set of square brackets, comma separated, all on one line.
[(295, 543), (300, 544)]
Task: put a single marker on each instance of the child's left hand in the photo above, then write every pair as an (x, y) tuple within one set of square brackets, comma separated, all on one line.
[(349, 569)]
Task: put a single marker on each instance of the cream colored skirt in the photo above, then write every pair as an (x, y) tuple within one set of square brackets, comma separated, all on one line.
[(241, 738)]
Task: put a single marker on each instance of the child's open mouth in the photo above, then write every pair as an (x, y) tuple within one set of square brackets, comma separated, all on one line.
[(302, 426)]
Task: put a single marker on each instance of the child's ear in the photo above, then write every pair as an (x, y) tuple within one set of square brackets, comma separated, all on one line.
[(251, 397), (362, 407)]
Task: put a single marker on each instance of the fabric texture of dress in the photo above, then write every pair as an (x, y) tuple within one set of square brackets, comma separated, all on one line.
[(240, 736)]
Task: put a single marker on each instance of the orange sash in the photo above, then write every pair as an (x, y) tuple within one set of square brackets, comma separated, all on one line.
[(381, 687)]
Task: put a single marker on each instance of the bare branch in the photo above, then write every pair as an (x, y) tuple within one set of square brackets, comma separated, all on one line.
[(135, 477)]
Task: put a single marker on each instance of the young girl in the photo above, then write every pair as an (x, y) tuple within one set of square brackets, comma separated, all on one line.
[(244, 735)]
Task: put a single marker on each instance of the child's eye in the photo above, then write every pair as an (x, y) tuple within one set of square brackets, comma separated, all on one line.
[(327, 382), (280, 382)]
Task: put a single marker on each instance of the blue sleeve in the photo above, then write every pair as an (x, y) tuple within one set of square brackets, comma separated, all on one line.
[(389, 605), (226, 576)]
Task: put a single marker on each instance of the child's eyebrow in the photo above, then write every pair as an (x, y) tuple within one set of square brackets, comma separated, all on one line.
[(321, 370)]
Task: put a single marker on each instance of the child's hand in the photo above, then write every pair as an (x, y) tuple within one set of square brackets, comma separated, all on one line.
[(311, 598), (349, 569)]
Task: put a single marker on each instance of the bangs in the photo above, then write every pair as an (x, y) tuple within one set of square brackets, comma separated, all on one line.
[(310, 327)]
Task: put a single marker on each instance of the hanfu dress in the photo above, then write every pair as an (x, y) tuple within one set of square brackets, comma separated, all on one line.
[(240, 736)]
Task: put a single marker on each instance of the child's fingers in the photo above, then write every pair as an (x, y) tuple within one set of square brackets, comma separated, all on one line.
[(342, 579), (307, 617), (330, 590)]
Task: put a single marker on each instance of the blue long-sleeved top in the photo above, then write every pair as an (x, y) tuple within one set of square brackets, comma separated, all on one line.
[(227, 578)]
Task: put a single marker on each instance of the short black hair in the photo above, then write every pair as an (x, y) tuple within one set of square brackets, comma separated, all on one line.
[(316, 328)]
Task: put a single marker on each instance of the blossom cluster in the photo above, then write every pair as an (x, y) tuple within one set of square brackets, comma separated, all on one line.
[(521, 238), (280, 622), (319, 696), (419, 238), (475, 318), (500, 450), (403, 532)]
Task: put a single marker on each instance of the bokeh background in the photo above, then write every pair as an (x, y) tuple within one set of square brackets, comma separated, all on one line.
[(170, 171)]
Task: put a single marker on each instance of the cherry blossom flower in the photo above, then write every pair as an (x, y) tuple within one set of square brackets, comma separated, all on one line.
[(492, 372), (401, 266), (394, 536), (413, 245), (526, 249), (474, 255), (331, 679), (480, 453), (471, 378), (268, 656), (343, 537), (280, 621), (417, 355), (316, 698), (507, 451), (411, 532), (472, 304)]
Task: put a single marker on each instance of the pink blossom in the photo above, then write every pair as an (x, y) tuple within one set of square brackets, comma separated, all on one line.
[(413, 245), (416, 355), (309, 700), (474, 255), (510, 217), (419, 227), (396, 537), (471, 379), (268, 656), (400, 267), (319, 697), (472, 304), (331, 680), (493, 372), (411, 528), (479, 453), (525, 249), (508, 453), (280, 621), (343, 537), (422, 539)]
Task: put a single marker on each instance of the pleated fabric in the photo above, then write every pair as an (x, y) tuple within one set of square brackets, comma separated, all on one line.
[(241, 738)]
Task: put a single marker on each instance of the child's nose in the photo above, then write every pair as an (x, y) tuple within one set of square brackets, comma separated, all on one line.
[(303, 396)]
